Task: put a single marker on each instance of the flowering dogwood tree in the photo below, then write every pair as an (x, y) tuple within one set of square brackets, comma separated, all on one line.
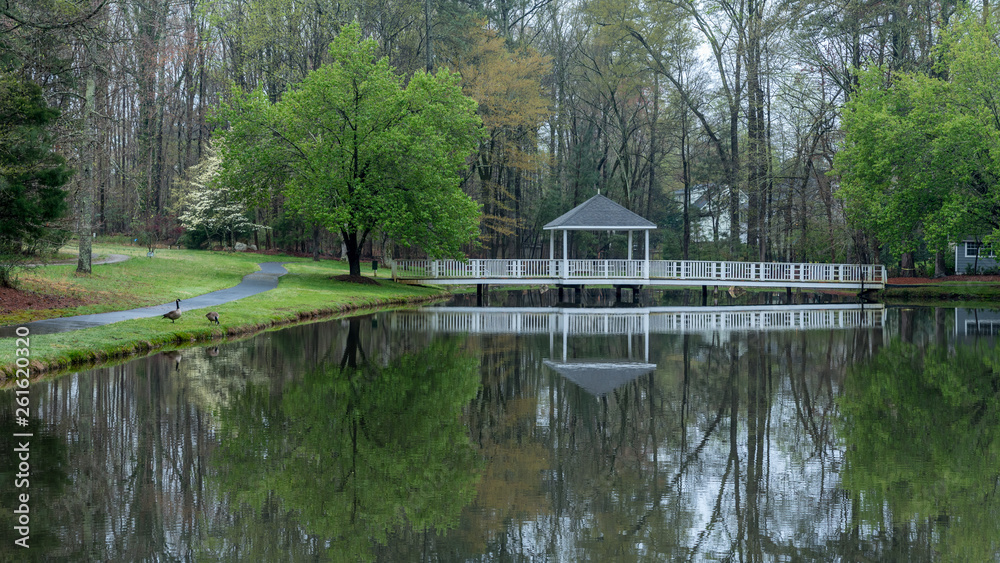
[(212, 207)]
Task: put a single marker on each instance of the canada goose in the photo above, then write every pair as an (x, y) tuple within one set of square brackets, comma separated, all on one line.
[(212, 317), (175, 314)]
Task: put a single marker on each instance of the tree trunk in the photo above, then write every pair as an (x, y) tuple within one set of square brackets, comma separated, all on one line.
[(315, 242), (86, 224), (353, 252), (756, 135), (907, 266), (653, 142), (940, 268), (427, 33), (686, 178)]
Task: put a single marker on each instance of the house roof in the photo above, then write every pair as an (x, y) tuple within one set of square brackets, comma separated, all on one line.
[(600, 378), (600, 214)]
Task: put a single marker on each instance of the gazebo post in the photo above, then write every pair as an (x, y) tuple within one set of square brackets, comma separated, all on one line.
[(645, 266), (552, 253), (630, 246), (565, 268)]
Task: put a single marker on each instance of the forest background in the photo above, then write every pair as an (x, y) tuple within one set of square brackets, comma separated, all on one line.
[(698, 115)]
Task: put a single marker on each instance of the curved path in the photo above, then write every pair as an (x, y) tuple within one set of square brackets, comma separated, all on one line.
[(260, 281)]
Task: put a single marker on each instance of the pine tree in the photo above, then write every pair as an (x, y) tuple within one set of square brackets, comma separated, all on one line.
[(31, 175)]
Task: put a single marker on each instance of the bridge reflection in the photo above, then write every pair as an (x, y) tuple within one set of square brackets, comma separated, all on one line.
[(628, 321)]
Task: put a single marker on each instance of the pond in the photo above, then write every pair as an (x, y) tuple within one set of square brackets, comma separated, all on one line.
[(660, 433)]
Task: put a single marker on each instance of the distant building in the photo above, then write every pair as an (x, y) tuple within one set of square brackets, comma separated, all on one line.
[(710, 212), (972, 256)]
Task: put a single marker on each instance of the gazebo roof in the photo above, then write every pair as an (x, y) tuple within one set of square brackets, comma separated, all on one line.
[(599, 377), (600, 214)]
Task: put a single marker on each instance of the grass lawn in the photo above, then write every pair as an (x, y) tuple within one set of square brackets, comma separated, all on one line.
[(138, 282), (307, 291)]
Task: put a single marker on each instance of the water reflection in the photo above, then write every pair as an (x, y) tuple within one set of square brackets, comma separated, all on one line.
[(379, 438), (923, 428), (44, 475), (352, 452), (610, 297)]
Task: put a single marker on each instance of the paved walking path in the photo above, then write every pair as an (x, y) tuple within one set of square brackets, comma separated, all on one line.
[(263, 280), (109, 259)]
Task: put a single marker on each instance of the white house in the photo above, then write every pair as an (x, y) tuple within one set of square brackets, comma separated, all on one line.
[(710, 212)]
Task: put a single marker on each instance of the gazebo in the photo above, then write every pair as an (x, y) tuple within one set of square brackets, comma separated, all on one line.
[(599, 214)]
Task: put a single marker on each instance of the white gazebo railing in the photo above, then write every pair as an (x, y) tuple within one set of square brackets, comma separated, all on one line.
[(606, 269)]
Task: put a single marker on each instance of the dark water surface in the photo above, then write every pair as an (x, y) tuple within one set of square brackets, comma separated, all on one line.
[(642, 435)]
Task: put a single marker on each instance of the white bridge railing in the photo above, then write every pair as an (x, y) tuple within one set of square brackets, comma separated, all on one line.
[(640, 270)]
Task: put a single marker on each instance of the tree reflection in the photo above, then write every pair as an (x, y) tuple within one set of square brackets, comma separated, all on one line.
[(353, 454), (721, 454), (922, 429), (46, 478)]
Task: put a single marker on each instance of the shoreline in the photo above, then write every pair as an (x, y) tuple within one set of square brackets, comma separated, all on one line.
[(87, 358), (76, 358), (309, 291)]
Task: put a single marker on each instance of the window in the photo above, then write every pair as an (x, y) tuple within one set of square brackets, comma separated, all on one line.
[(972, 249)]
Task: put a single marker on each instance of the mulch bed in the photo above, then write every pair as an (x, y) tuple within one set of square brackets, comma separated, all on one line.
[(356, 279), (12, 300)]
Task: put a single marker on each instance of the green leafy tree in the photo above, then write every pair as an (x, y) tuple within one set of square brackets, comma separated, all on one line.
[(31, 175), (921, 157), (355, 151)]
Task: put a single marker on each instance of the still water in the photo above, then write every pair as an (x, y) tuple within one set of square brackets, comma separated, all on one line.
[(759, 434)]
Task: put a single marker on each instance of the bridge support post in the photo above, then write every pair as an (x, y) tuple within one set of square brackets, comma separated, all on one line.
[(560, 294), (579, 295), (618, 289), (704, 295), (635, 293), (788, 295), (482, 294)]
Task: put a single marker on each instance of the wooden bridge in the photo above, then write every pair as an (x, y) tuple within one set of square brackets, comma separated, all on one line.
[(564, 272)]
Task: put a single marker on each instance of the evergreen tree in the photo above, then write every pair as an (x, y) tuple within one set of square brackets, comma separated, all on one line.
[(31, 175)]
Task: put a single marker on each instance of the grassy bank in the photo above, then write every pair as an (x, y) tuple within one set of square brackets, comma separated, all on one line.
[(308, 291), (945, 291)]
